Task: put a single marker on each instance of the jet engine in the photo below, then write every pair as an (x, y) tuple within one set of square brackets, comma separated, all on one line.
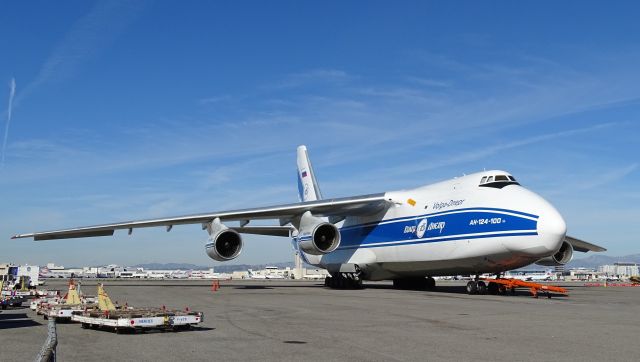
[(223, 244), (561, 257), (317, 236)]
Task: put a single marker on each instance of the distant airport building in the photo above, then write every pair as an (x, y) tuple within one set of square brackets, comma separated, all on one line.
[(10, 273), (621, 269), (53, 266), (584, 274)]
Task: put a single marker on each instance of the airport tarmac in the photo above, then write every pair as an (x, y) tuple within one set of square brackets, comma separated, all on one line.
[(294, 320)]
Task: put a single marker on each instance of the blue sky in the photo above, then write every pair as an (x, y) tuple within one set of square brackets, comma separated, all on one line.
[(129, 110)]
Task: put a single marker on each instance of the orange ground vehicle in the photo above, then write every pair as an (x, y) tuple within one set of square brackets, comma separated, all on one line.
[(502, 285)]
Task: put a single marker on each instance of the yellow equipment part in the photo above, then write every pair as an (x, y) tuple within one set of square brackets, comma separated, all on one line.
[(72, 295), (104, 302)]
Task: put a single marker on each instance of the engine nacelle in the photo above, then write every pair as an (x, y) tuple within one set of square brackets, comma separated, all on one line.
[(226, 244), (561, 257), (317, 236)]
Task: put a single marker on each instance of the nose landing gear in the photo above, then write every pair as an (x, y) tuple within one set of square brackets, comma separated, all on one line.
[(477, 287)]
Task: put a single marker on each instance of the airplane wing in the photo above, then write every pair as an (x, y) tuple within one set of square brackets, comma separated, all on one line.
[(582, 246), (338, 208)]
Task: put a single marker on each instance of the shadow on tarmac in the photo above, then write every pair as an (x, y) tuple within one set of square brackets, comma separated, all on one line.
[(16, 320), (452, 289), (132, 332), (460, 289)]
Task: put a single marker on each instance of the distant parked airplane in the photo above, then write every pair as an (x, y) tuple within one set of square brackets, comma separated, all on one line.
[(485, 222), (531, 277)]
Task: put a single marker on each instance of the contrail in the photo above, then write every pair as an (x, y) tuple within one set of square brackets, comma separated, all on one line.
[(12, 93)]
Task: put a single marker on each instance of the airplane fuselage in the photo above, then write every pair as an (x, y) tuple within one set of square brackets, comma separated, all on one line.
[(468, 225)]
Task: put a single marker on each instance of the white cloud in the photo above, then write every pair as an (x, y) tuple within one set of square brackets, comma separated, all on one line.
[(12, 93), (607, 177), (87, 38), (313, 76)]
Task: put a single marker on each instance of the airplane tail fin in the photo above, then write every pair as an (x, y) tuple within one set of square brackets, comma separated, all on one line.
[(308, 188)]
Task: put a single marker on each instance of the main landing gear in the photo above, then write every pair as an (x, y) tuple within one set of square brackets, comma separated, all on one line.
[(417, 283), (343, 281)]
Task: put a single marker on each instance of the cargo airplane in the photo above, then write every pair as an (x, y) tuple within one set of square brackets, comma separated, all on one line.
[(484, 222)]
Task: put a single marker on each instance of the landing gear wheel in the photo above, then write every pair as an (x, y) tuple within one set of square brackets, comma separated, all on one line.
[(472, 287), (430, 283), (356, 283), (482, 287), (398, 284), (493, 288)]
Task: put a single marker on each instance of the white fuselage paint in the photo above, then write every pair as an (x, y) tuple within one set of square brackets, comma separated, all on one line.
[(453, 227)]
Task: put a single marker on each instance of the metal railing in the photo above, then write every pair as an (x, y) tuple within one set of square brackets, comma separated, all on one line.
[(48, 351)]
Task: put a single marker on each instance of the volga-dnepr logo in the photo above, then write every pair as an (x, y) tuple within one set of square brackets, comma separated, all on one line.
[(422, 227), (418, 230)]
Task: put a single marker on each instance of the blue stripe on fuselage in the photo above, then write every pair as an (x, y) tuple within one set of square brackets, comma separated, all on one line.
[(424, 241), (407, 218), (441, 226)]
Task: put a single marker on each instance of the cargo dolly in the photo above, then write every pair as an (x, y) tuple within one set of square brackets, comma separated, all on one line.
[(125, 318), (63, 309)]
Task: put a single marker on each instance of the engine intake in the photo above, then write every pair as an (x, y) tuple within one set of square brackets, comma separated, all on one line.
[(324, 238), (224, 245), (561, 257)]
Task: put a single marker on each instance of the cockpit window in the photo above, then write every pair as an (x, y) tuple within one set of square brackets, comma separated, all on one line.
[(498, 181)]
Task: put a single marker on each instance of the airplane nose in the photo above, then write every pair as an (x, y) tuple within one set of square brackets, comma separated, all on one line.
[(552, 228)]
